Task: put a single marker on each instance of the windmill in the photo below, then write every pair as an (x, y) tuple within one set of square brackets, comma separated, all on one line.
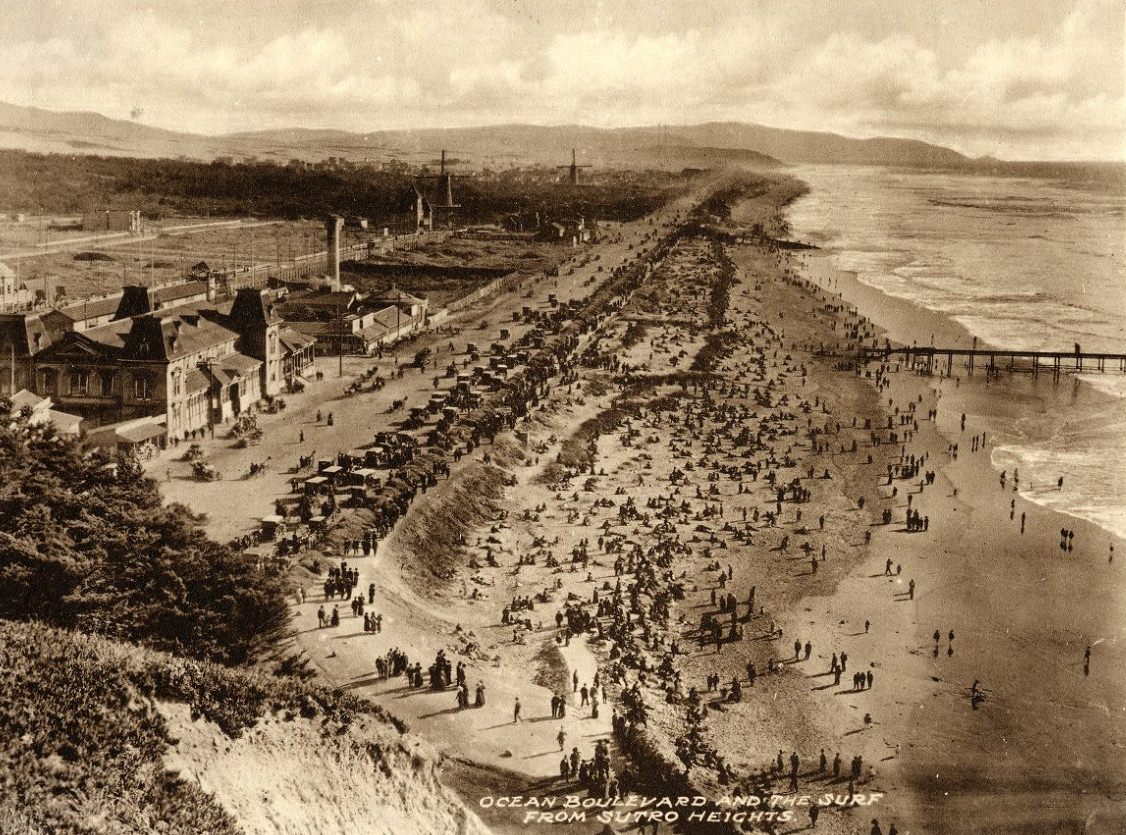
[(573, 169), (433, 192)]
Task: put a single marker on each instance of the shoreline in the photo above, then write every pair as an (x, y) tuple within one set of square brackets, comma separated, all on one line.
[(983, 510), (1059, 292), (975, 395)]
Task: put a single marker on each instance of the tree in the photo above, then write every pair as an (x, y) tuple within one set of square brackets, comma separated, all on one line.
[(87, 543)]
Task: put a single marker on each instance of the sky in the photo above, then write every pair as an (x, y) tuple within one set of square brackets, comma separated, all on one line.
[(1018, 79)]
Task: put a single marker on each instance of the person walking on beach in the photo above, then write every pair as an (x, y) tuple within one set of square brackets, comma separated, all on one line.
[(516, 711), (1087, 661), (814, 811), (876, 828), (911, 590), (562, 737)]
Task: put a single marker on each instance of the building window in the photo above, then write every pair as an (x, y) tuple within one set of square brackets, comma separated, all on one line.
[(177, 375), (107, 383), (142, 386), (50, 380), (79, 383)]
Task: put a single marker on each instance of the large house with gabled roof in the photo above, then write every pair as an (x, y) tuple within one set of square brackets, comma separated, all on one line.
[(196, 364)]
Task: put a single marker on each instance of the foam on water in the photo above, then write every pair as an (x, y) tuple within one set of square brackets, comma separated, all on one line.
[(1091, 489), (1020, 263)]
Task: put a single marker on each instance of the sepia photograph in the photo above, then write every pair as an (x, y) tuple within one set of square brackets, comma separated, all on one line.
[(562, 417)]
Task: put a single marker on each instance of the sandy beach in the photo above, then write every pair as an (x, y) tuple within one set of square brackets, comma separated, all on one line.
[(1045, 751), (700, 490)]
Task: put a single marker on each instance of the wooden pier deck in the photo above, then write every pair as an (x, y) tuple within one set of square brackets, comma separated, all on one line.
[(993, 360)]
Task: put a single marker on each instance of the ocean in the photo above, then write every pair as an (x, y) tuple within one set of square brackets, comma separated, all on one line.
[(1023, 263)]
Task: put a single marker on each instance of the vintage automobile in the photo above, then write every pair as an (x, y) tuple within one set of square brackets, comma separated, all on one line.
[(202, 471)]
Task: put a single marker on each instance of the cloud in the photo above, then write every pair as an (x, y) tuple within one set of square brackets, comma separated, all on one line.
[(1042, 80)]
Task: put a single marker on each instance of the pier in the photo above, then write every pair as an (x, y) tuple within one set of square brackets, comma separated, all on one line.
[(993, 360)]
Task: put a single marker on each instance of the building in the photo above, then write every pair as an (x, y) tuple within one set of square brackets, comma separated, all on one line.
[(142, 437), (13, 294), (529, 221), (40, 411), (298, 353), (22, 335), (344, 321), (411, 305), (359, 332), (113, 220), (433, 202), (194, 364), (93, 313), (568, 231)]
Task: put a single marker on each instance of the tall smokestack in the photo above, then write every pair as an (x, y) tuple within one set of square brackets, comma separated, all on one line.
[(333, 225)]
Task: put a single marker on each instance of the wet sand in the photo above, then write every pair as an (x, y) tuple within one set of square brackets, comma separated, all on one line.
[(1045, 751)]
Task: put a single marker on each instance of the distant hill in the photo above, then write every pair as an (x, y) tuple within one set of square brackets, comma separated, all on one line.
[(498, 145), (49, 131), (800, 146)]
